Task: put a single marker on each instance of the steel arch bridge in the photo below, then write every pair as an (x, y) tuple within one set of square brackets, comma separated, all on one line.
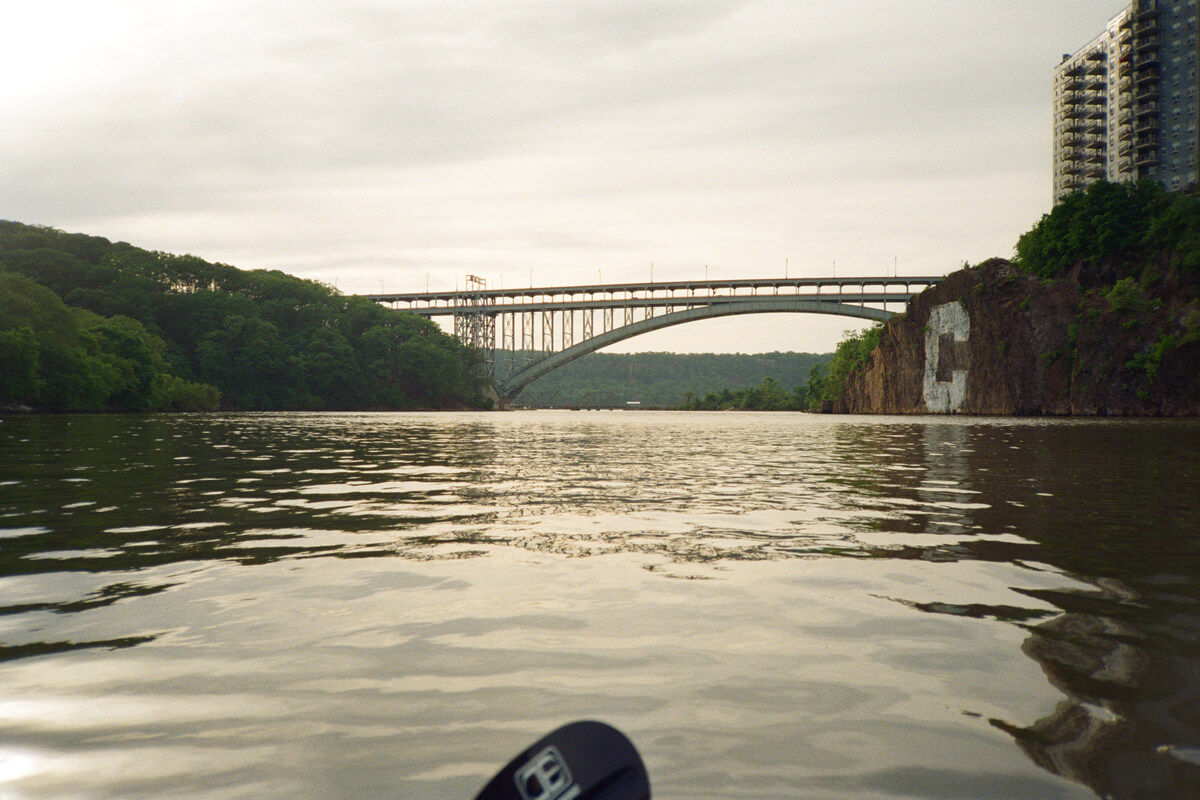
[(524, 333)]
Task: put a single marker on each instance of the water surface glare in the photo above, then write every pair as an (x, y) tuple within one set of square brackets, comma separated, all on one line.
[(770, 605)]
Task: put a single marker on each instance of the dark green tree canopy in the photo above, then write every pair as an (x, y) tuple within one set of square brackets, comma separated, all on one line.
[(115, 326), (1109, 227)]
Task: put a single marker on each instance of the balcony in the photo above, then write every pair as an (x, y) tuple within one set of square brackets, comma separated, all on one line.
[(1147, 26), (1146, 60), (1146, 76)]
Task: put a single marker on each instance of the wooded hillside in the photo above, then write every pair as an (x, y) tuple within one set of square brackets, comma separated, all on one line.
[(665, 379), (88, 324)]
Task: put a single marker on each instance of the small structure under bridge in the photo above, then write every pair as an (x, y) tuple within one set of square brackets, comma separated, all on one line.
[(524, 333)]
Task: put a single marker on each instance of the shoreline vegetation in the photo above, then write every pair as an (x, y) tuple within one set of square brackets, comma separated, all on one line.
[(826, 379), (91, 325), (659, 380)]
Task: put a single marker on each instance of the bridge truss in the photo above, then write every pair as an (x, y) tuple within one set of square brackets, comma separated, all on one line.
[(522, 334)]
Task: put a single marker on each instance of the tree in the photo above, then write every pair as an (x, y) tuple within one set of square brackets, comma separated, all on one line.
[(133, 353), (20, 381), (265, 339), (1094, 228)]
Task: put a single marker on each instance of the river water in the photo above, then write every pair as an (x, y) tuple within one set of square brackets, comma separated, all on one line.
[(769, 605)]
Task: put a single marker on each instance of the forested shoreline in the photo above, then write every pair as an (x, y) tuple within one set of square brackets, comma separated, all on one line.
[(826, 378), (91, 325), (661, 380)]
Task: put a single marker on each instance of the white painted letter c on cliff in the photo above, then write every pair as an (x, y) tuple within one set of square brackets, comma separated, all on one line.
[(947, 358)]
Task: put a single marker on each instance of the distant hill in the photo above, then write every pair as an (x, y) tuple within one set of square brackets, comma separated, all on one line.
[(664, 379), (88, 324)]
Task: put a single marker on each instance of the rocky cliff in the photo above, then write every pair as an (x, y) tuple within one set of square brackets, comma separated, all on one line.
[(995, 340)]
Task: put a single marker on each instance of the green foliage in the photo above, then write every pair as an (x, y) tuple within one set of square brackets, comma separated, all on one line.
[(1176, 229), (769, 395), (853, 351), (20, 376), (66, 359), (1108, 225), (1125, 297), (175, 394), (142, 330), (1191, 327), (669, 380), (825, 381), (1150, 360)]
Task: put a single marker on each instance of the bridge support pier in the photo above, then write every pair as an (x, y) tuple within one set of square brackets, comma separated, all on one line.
[(644, 307)]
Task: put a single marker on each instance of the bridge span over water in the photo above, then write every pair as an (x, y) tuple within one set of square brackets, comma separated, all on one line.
[(524, 333)]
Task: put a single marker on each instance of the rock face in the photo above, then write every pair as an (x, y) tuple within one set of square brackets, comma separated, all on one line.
[(994, 340)]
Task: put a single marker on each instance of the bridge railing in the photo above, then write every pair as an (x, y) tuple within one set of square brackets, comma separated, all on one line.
[(515, 329), (658, 295)]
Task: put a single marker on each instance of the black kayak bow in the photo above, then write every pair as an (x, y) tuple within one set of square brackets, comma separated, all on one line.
[(579, 761)]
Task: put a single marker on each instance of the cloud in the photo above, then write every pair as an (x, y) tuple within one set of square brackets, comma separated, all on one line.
[(370, 141)]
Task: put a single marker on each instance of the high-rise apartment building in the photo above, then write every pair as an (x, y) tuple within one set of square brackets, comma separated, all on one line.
[(1126, 104)]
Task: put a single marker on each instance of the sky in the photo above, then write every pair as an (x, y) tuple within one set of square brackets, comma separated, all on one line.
[(404, 144)]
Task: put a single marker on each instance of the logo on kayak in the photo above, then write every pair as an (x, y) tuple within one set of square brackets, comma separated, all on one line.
[(546, 777)]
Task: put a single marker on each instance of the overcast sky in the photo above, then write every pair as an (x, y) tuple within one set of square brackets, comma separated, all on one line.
[(401, 144)]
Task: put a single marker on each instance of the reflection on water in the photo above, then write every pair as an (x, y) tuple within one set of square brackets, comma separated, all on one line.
[(1128, 727), (875, 607)]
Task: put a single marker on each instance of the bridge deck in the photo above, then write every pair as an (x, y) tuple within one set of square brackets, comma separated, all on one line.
[(657, 294), (677, 302)]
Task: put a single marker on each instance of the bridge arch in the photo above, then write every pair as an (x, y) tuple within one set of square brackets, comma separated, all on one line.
[(512, 385)]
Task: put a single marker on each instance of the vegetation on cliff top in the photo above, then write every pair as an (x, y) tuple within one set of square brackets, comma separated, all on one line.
[(88, 324), (1134, 250), (1116, 230)]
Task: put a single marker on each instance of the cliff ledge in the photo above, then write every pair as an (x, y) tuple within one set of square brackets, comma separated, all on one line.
[(992, 339)]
